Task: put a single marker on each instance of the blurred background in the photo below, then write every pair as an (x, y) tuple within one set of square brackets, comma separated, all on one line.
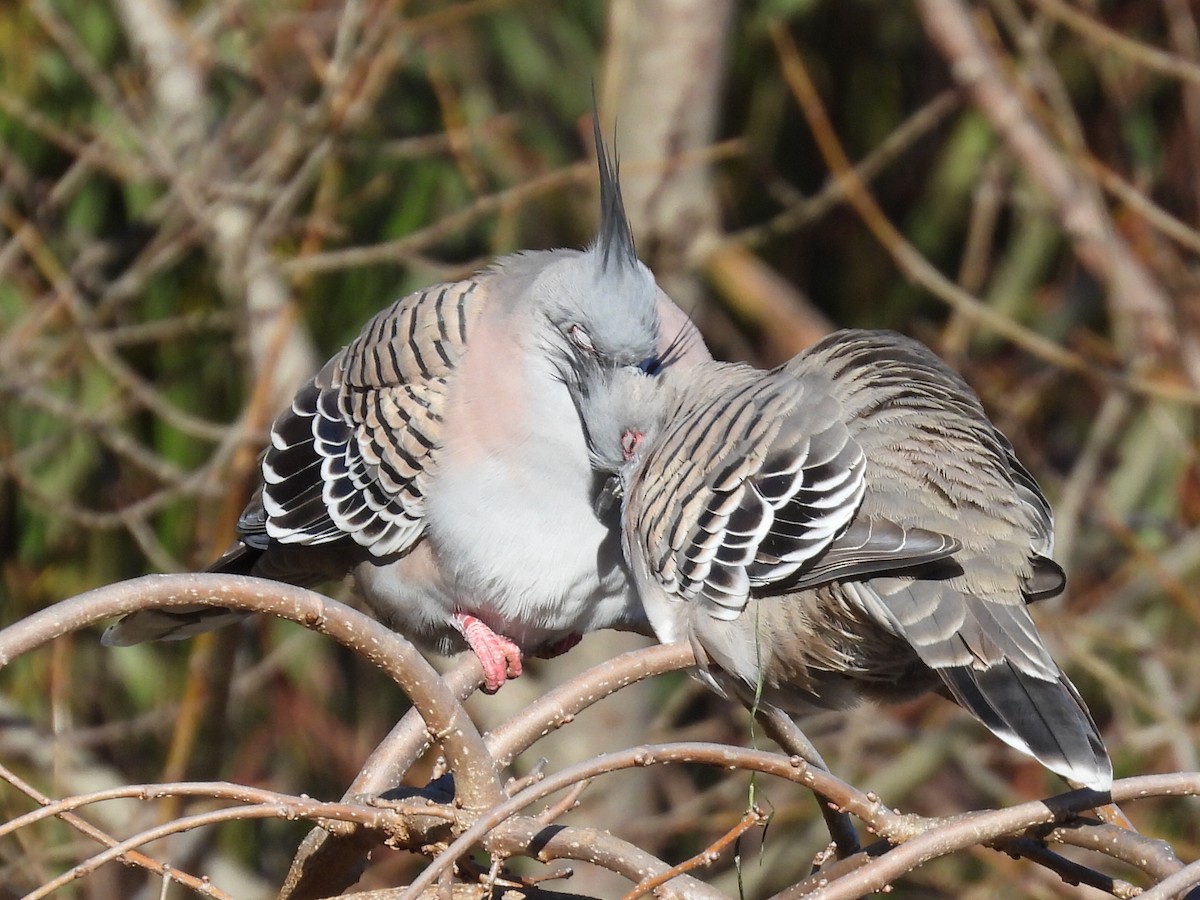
[(200, 201)]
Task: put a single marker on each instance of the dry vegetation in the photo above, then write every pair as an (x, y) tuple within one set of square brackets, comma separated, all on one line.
[(199, 202)]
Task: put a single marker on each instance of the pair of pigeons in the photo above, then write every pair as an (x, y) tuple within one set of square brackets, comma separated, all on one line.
[(547, 448)]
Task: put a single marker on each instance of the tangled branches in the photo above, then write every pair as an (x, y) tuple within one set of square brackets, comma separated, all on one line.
[(471, 805), (200, 201)]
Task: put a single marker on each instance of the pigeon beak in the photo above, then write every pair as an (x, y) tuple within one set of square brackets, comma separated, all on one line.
[(609, 496)]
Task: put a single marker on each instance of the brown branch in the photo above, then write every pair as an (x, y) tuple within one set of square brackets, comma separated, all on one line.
[(400, 249), (102, 351), (836, 190), (1154, 857), (559, 808), (405, 248), (706, 857), (935, 838), (102, 424), (200, 885), (919, 269), (524, 836), (290, 809), (379, 817), (1099, 34), (326, 865), (328, 859), (1175, 886), (1136, 297), (867, 808), (476, 779), (559, 706), (788, 735), (93, 153)]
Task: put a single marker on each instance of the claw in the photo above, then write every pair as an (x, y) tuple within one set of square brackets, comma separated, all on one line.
[(499, 656)]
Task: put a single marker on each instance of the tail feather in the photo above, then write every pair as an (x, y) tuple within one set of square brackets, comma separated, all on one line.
[(178, 623), (175, 624), (1046, 719)]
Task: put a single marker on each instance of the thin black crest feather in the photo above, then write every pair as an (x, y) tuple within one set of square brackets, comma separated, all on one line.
[(672, 352), (615, 236)]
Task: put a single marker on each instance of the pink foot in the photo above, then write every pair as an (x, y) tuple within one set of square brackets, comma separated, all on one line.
[(500, 657), (559, 647)]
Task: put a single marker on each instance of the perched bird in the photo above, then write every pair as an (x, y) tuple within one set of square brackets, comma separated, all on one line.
[(847, 525), (440, 456)]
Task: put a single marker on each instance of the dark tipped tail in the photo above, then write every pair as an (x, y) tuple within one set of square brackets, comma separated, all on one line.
[(1046, 719)]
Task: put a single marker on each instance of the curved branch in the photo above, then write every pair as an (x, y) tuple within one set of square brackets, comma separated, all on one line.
[(296, 807), (529, 837), (201, 886), (757, 816), (1154, 857), (555, 709), (328, 859), (946, 836), (793, 768), (477, 781), (1168, 888)]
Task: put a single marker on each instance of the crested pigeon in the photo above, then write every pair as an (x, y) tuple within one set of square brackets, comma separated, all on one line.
[(440, 456), (849, 524)]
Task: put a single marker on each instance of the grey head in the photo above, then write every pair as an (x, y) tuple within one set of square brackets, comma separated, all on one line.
[(599, 303), (623, 413)]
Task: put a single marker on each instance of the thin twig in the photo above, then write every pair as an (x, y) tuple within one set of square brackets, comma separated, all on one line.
[(1140, 302), (916, 267), (524, 836), (200, 885), (706, 857), (1101, 35), (376, 817)]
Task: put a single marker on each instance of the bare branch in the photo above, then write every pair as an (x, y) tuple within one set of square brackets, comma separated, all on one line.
[(755, 817), (1175, 886), (559, 706), (478, 785), (529, 837), (1136, 297), (792, 769), (328, 859), (200, 885)]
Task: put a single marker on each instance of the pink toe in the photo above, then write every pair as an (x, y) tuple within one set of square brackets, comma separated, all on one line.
[(499, 656)]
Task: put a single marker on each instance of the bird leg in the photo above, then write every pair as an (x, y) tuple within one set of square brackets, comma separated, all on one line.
[(787, 734), (499, 656)]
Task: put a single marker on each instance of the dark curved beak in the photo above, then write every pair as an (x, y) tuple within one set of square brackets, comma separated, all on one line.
[(609, 497)]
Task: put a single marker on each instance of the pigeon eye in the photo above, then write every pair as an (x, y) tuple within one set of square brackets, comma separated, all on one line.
[(651, 365), (581, 338)]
